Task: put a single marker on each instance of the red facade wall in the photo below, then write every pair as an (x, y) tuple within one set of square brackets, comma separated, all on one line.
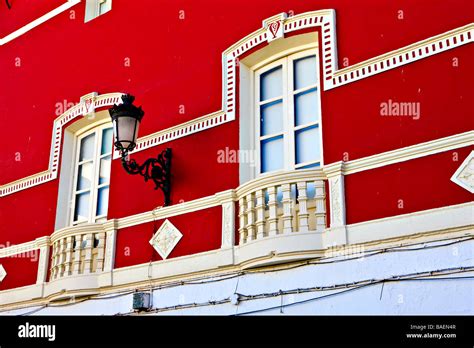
[(175, 63), (21, 270), (405, 187), (195, 172), (201, 232), (443, 91)]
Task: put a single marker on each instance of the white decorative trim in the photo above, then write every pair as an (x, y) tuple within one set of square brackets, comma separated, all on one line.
[(165, 239), (275, 27), (18, 249), (336, 195), (464, 175), (3, 273), (228, 224), (336, 203), (405, 55), (88, 104), (110, 228), (58, 10), (400, 226)]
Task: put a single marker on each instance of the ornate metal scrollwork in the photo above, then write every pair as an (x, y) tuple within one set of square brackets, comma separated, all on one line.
[(157, 169)]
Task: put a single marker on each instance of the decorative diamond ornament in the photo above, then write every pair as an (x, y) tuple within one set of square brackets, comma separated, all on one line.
[(464, 176), (3, 273), (165, 239)]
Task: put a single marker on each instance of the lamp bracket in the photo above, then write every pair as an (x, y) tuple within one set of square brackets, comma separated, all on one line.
[(157, 169)]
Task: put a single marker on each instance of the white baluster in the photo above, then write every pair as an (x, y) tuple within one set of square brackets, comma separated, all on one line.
[(303, 207), (88, 256), (54, 262), (287, 203), (77, 255), (320, 198), (272, 208), (100, 252), (260, 208), (242, 222), (69, 251), (251, 235), (62, 257)]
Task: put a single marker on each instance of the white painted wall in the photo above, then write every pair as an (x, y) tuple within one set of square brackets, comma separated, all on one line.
[(435, 296)]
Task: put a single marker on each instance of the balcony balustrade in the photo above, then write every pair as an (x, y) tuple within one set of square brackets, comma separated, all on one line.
[(282, 203), (78, 250)]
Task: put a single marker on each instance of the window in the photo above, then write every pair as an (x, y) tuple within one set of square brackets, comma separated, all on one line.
[(93, 159), (95, 8), (288, 114)]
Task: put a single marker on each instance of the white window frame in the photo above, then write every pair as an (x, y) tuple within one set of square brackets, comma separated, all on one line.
[(95, 8), (289, 130), (95, 186)]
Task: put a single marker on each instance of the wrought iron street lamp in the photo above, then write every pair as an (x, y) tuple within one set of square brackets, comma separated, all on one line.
[(126, 119)]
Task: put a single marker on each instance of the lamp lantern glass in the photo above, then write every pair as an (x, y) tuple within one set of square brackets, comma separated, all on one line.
[(126, 119)]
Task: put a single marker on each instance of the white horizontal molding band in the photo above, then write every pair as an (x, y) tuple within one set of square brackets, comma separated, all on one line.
[(420, 227), (11, 250), (400, 226), (58, 10), (23, 248), (332, 77), (407, 153), (405, 55), (177, 209)]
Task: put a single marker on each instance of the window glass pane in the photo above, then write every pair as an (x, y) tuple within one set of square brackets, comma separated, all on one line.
[(305, 72), (306, 107), (87, 147), (272, 154), (106, 141), (271, 118), (313, 165), (271, 85), (102, 200), (104, 170), (307, 144), (84, 176), (82, 207)]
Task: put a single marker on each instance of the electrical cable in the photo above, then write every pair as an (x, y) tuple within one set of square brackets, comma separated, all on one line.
[(347, 286)]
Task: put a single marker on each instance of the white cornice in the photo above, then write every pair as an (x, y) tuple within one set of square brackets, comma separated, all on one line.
[(24, 247), (408, 153)]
